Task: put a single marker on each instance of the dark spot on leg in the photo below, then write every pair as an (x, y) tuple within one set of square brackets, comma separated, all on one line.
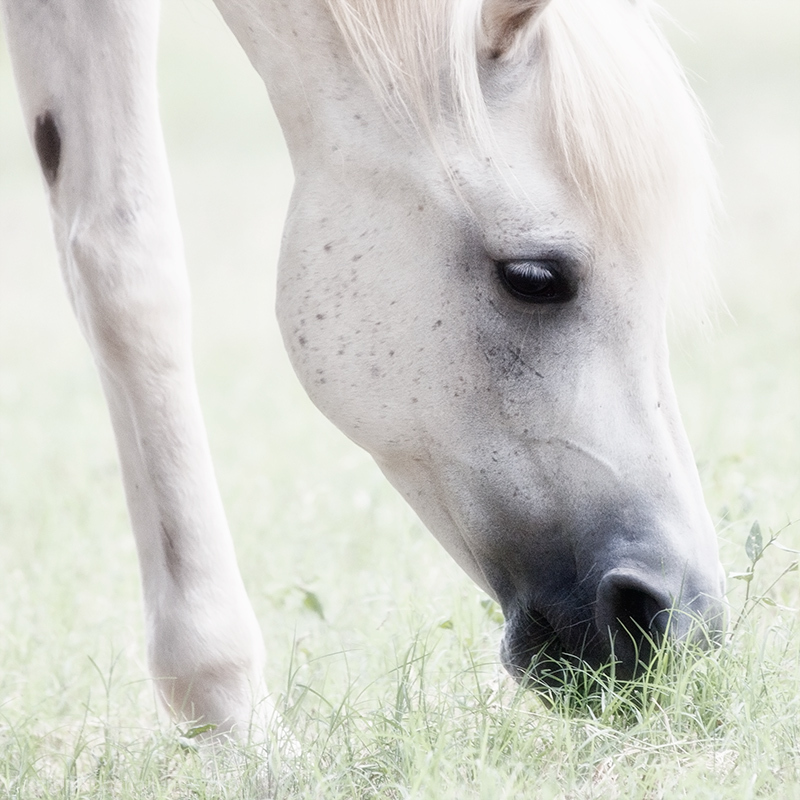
[(48, 146), (171, 556)]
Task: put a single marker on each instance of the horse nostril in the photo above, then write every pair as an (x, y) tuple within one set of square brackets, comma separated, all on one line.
[(635, 617), (637, 611)]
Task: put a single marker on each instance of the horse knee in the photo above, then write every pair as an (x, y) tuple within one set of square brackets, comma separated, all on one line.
[(128, 286)]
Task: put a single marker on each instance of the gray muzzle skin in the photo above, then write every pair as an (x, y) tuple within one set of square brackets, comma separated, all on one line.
[(620, 623)]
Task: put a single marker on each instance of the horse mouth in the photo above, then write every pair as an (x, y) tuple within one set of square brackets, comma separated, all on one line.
[(549, 655)]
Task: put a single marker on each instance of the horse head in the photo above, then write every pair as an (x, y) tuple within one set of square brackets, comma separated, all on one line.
[(474, 285)]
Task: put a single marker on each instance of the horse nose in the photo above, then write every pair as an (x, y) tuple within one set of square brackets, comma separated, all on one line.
[(622, 619), (637, 614)]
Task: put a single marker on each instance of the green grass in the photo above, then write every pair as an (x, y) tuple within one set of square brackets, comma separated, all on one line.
[(381, 653)]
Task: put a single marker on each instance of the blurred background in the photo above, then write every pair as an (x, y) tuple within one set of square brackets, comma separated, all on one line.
[(306, 506), (743, 60)]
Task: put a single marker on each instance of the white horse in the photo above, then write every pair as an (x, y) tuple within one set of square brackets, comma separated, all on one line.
[(492, 197)]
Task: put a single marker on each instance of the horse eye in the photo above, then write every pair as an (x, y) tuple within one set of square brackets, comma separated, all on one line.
[(535, 281)]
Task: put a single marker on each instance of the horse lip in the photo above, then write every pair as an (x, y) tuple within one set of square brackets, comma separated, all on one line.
[(543, 656)]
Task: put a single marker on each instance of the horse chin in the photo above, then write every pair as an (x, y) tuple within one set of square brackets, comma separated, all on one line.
[(531, 650)]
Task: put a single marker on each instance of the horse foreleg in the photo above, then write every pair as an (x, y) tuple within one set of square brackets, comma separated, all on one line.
[(87, 83)]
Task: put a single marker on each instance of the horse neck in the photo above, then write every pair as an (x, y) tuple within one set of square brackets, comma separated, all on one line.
[(315, 88)]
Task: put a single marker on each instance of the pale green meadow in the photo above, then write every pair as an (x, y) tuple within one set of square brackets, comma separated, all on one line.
[(382, 654)]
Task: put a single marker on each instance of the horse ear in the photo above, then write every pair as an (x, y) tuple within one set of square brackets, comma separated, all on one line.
[(505, 22)]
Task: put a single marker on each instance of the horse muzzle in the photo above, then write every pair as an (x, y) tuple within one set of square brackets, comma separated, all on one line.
[(620, 623)]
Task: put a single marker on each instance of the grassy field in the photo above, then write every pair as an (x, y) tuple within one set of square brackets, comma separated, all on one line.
[(382, 653)]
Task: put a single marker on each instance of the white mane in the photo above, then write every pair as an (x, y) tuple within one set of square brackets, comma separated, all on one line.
[(625, 127)]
